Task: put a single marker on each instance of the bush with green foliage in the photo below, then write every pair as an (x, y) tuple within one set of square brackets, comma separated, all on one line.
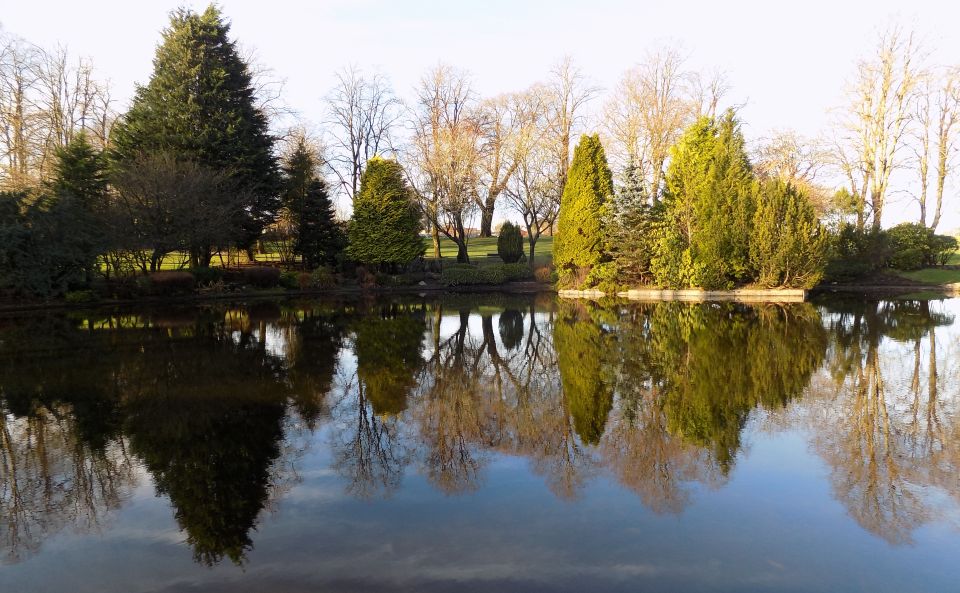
[(385, 228), (579, 241), (708, 209), (471, 275), (787, 243), (914, 246), (510, 243), (943, 246), (290, 279), (853, 253)]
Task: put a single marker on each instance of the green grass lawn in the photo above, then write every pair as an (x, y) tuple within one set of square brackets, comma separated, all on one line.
[(478, 249), (933, 275)]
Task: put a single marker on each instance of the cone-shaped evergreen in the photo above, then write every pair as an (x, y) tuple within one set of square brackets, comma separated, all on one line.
[(579, 240), (703, 240), (318, 237), (80, 171), (385, 228), (200, 105), (510, 243)]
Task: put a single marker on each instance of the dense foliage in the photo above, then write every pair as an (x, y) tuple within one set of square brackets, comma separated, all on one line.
[(579, 242), (510, 243), (317, 238), (201, 105), (385, 229)]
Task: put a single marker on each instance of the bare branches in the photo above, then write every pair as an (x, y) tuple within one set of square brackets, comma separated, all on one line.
[(567, 92), (879, 112), (362, 112), (45, 99), (444, 163)]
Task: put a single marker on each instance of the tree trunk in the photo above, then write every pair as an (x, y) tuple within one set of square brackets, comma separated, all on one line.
[(462, 256), (486, 218), (435, 234)]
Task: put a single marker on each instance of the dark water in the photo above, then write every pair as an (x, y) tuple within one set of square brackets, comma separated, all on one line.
[(482, 444)]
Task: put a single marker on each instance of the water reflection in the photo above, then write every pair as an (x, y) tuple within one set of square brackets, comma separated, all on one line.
[(215, 406)]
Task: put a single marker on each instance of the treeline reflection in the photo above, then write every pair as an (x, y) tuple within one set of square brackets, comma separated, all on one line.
[(209, 403)]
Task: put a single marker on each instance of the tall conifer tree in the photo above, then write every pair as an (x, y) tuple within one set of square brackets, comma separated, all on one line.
[(318, 237), (200, 104), (579, 242), (385, 228)]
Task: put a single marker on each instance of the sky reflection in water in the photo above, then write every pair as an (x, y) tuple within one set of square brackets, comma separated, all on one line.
[(482, 444)]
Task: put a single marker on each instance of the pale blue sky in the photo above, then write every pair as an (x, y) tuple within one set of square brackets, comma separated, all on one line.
[(786, 61)]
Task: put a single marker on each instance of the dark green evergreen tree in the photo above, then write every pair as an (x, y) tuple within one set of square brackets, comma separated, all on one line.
[(510, 243), (201, 105), (579, 242), (318, 237), (630, 228), (385, 229), (80, 171)]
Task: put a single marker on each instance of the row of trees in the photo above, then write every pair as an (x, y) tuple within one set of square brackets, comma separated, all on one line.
[(717, 223), (194, 167)]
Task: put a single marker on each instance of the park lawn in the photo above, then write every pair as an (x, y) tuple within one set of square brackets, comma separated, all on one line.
[(478, 249), (933, 275)]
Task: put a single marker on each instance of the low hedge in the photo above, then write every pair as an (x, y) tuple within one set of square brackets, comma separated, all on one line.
[(461, 275), (471, 275)]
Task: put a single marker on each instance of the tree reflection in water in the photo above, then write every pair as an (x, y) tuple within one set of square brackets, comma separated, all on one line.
[(657, 396)]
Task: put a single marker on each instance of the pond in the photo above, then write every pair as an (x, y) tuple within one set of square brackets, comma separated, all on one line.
[(482, 443)]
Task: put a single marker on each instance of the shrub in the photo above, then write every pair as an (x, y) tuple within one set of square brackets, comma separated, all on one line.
[(261, 276), (788, 245), (471, 275), (854, 253), (911, 258), (515, 271), (604, 276), (290, 279), (543, 274), (510, 243), (322, 277), (76, 297), (385, 228), (204, 276), (943, 247), (171, 283), (912, 245)]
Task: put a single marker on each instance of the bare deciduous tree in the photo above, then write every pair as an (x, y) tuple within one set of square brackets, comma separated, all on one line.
[(880, 110), (937, 111), (362, 112), (651, 105), (534, 190), (444, 160), (568, 92), (499, 121), (45, 99)]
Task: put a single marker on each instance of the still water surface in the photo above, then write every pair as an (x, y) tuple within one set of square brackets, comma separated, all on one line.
[(482, 444)]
